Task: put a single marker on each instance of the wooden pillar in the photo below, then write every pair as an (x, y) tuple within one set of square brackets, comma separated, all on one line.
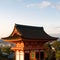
[(21, 55), (32, 55), (39, 54), (17, 55), (19, 51)]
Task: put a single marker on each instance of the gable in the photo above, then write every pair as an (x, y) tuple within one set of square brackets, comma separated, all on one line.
[(15, 32)]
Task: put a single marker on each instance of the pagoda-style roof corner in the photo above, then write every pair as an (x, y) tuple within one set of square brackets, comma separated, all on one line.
[(30, 32)]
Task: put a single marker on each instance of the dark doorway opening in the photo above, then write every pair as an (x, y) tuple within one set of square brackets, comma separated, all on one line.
[(41, 55), (27, 56), (37, 55)]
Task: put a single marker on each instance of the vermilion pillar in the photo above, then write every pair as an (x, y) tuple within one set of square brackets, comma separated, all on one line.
[(19, 51), (17, 55), (21, 55)]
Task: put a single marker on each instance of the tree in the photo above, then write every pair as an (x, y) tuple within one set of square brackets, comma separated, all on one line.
[(56, 44), (51, 53), (7, 50)]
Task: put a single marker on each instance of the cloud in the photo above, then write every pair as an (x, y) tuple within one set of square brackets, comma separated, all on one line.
[(31, 5), (18, 0), (58, 27), (57, 6), (43, 4)]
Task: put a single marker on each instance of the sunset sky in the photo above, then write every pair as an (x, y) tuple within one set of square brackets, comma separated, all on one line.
[(45, 13)]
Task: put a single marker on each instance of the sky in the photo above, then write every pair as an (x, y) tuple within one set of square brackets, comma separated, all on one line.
[(42, 13)]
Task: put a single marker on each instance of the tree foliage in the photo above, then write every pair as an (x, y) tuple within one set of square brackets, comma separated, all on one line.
[(56, 45), (6, 50)]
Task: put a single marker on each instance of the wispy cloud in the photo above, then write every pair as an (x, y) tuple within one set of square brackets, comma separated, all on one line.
[(45, 4), (58, 27), (57, 6), (19, 0)]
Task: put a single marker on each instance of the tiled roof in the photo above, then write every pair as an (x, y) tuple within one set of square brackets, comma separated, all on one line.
[(33, 32)]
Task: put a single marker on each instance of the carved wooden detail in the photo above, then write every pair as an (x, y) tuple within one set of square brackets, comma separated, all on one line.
[(15, 32), (19, 46), (33, 45)]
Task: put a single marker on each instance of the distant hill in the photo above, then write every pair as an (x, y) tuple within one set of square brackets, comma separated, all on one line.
[(3, 44)]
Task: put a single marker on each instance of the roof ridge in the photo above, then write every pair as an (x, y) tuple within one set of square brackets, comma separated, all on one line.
[(28, 25)]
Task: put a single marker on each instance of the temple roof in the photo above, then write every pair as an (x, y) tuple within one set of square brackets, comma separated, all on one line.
[(31, 32)]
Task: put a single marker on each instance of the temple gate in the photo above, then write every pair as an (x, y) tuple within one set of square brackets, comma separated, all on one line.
[(29, 42)]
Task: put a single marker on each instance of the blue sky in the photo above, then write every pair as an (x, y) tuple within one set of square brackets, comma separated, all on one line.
[(44, 13)]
